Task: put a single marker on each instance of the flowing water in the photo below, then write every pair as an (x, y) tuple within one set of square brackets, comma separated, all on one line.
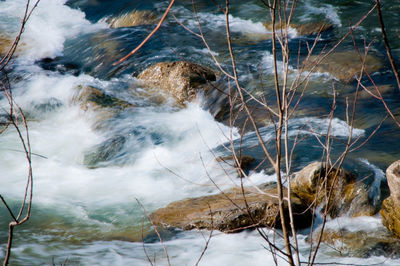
[(90, 172)]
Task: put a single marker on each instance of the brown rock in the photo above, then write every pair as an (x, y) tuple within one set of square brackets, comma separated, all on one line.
[(393, 179), (5, 44), (391, 206), (361, 243), (227, 211), (390, 213), (134, 18), (311, 28), (180, 79), (383, 89), (244, 161), (342, 65), (314, 183)]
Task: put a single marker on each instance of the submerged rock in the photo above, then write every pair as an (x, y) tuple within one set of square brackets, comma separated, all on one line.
[(5, 44), (311, 28), (227, 211), (391, 206), (343, 65), (181, 79), (132, 19), (245, 162), (347, 195), (106, 151), (93, 98), (361, 243)]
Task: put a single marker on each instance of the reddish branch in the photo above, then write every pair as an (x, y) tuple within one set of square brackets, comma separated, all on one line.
[(148, 36), (385, 40)]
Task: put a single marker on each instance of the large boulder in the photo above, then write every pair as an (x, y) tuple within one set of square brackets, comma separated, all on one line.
[(319, 184), (344, 66), (132, 19), (181, 79), (227, 211), (390, 211)]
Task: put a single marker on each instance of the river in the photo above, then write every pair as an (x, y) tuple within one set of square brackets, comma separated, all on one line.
[(85, 209)]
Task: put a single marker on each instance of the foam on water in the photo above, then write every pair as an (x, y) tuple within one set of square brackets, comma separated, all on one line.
[(159, 174), (311, 126), (379, 177), (328, 11), (320, 126), (179, 167), (51, 23), (218, 21)]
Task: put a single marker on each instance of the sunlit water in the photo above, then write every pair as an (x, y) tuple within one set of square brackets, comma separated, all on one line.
[(88, 213)]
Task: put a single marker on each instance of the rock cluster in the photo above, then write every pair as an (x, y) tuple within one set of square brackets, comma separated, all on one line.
[(233, 210)]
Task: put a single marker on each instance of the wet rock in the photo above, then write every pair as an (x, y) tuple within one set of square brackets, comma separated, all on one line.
[(60, 65), (383, 89), (132, 19), (106, 151), (5, 44), (393, 179), (227, 211), (93, 98), (391, 206), (181, 79), (361, 243), (343, 65), (245, 162), (348, 197), (311, 28)]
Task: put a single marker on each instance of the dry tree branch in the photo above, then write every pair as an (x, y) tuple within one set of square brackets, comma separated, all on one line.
[(156, 230), (15, 112), (148, 36), (387, 46)]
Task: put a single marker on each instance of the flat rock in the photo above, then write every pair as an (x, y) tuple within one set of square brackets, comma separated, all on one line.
[(181, 79), (227, 211), (344, 66)]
